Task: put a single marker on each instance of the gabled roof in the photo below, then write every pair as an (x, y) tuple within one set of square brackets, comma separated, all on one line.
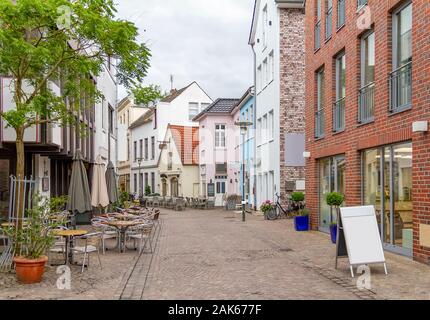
[(176, 93), (145, 118), (187, 141), (220, 106)]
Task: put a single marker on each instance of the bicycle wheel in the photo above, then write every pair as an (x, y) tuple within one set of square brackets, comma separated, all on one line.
[(272, 215)]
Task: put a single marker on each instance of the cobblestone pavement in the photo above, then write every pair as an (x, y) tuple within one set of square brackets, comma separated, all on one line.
[(213, 255)]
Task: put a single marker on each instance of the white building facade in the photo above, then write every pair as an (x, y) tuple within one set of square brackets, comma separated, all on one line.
[(277, 98), (149, 132)]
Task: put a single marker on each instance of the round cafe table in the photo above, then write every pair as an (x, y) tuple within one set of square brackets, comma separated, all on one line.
[(68, 235), (122, 227)]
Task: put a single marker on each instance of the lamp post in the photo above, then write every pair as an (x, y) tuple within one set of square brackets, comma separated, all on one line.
[(243, 130)]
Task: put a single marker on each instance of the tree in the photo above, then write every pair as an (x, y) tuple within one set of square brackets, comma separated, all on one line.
[(146, 95), (66, 41)]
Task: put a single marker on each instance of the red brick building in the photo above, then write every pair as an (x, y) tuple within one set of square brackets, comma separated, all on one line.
[(367, 112)]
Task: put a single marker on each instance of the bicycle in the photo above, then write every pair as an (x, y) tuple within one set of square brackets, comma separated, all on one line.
[(281, 212)]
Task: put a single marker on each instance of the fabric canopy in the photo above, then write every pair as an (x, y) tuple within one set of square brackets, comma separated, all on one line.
[(111, 182), (99, 196), (79, 190)]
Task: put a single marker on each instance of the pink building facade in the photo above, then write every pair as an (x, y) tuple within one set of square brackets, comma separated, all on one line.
[(218, 151)]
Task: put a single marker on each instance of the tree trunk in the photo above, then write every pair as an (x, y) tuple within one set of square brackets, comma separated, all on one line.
[(20, 175)]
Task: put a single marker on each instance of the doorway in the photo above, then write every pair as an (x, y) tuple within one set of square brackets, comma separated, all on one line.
[(331, 179)]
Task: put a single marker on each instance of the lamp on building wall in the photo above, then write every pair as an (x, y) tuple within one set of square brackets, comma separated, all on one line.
[(243, 131)]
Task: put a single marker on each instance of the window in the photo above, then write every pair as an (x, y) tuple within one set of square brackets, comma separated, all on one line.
[(152, 148), (265, 133), (401, 77), (135, 183), (141, 149), (328, 19), (220, 187), (367, 90), (135, 151), (141, 184), (193, 108), (320, 95), (103, 114), (153, 182), (220, 136), (271, 126), (146, 149), (259, 78), (340, 13), (111, 119), (339, 105), (265, 73), (128, 149), (271, 66), (170, 161), (221, 168), (128, 117), (259, 131), (265, 24), (317, 29), (146, 179), (154, 119)]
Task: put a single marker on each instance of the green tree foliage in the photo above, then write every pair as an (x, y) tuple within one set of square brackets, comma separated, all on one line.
[(147, 95)]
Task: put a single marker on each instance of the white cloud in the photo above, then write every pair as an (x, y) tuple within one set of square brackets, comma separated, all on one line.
[(195, 40)]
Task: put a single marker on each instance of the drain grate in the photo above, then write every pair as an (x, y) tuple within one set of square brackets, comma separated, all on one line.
[(286, 250)]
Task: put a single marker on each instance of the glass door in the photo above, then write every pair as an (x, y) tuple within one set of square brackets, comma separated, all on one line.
[(332, 179), (387, 184)]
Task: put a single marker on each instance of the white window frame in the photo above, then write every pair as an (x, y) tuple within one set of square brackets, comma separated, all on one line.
[(193, 110), (220, 136)]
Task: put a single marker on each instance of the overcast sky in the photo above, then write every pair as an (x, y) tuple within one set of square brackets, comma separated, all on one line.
[(195, 40)]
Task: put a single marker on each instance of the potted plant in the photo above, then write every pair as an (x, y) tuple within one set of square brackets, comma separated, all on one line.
[(334, 200), (58, 204), (268, 208), (32, 241), (147, 191), (301, 218)]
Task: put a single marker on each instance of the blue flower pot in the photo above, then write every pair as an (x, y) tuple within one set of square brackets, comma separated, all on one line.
[(301, 223), (333, 233)]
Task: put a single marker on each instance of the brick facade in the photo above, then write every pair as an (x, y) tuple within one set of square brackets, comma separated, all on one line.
[(292, 87), (386, 128)]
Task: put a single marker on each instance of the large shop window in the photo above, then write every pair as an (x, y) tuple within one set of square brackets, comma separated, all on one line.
[(387, 184), (332, 179)]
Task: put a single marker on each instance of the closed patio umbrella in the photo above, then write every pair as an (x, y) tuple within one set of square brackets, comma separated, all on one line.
[(79, 191), (111, 183), (99, 196)]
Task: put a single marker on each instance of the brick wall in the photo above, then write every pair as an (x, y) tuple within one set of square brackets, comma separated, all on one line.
[(292, 87), (386, 128)]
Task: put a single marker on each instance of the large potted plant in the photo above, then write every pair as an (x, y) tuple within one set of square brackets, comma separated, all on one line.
[(268, 209), (301, 218), (32, 241), (334, 200)]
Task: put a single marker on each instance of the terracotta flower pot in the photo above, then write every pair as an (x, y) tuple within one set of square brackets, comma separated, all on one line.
[(30, 271)]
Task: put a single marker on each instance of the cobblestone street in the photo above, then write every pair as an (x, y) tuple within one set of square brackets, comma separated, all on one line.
[(213, 255)]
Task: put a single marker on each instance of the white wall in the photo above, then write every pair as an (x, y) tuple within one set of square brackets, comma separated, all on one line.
[(268, 99)]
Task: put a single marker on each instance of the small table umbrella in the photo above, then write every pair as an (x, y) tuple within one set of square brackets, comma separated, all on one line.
[(111, 183), (99, 197), (79, 191)]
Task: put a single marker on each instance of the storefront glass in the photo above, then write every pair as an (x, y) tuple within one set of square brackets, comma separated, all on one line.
[(393, 196)]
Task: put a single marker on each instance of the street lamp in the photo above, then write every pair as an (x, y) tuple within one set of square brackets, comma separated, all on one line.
[(243, 130)]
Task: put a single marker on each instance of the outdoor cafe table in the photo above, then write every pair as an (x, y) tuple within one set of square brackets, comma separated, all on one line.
[(122, 227), (68, 235)]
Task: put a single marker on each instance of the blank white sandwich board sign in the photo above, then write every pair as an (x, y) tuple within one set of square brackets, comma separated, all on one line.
[(362, 237)]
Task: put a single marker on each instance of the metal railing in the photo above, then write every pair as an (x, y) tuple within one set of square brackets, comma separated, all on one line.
[(401, 88), (318, 35), (366, 103), (319, 124), (340, 13), (339, 115), (20, 190)]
